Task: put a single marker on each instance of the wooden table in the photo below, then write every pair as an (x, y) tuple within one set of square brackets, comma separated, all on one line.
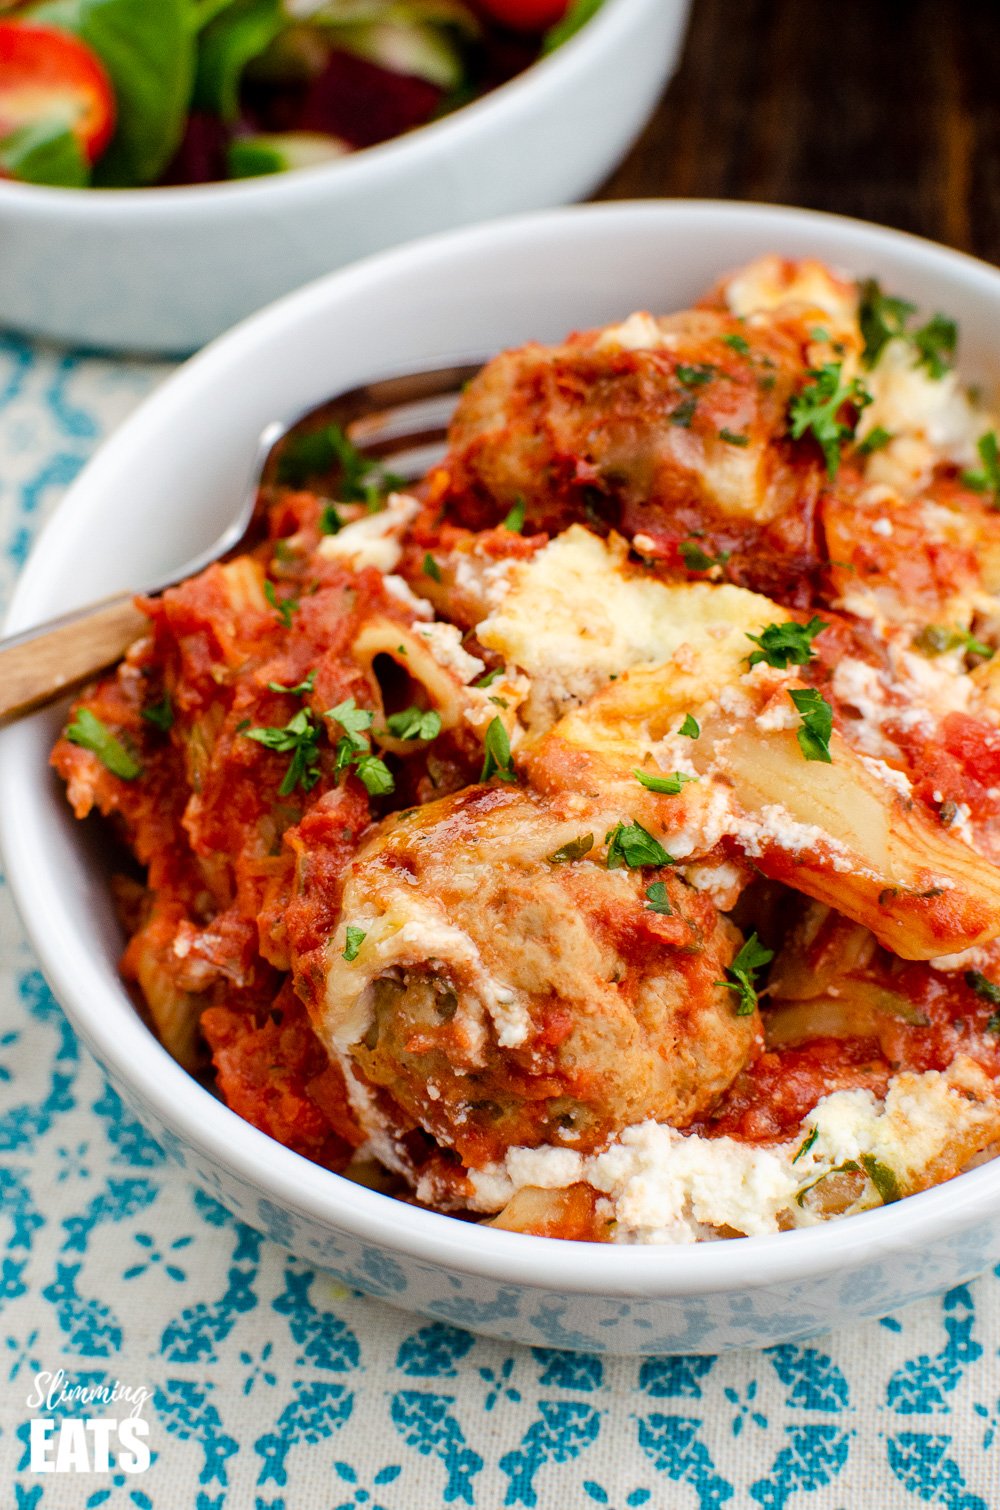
[(884, 109)]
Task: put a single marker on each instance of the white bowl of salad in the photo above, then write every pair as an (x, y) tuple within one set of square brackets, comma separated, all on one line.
[(167, 169)]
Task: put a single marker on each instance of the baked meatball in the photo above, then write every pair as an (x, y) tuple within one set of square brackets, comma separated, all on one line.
[(494, 983)]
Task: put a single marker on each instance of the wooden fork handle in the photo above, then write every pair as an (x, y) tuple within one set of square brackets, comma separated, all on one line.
[(36, 668)]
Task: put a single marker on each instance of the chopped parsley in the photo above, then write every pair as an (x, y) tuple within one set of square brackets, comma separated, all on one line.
[(695, 559), (330, 522), (515, 518), (353, 939), (431, 568), (489, 677), (684, 412), (301, 689), (574, 849), (657, 899), (362, 480), (883, 319), (806, 1144), (91, 734), (988, 992), (738, 343), (497, 760), (283, 607), (936, 639), (849, 1166), (876, 440), (817, 723), (374, 775), (788, 644), (354, 749), (733, 439), (690, 727), (161, 714), (671, 785), (415, 723), (695, 375), (751, 958), (882, 1178), (632, 845), (816, 407), (988, 480), (298, 738)]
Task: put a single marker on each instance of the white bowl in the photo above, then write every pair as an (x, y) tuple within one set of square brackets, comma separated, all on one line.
[(160, 489), (166, 269)]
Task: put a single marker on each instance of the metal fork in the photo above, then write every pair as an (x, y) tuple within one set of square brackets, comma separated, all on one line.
[(400, 421)]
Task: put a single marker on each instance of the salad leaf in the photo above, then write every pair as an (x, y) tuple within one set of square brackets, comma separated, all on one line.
[(228, 43), (579, 13), (45, 153), (149, 53)]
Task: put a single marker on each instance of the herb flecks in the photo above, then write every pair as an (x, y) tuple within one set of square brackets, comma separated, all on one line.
[(353, 748), (987, 991), (988, 479), (741, 974), (90, 733), (631, 845), (883, 319), (301, 689), (695, 559), (353, 939), (298, 738), (787, 644), (497, 760), (938, 639), (161, 714), (657, 900), (516, 516), (690, 728), (670, 785), (816, 410), (283, 607), (431, 568), (414, 723), (817, 723), (573, 849), (362, 479)]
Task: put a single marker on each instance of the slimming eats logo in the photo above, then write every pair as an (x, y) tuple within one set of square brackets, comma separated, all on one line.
[(86, 1443)]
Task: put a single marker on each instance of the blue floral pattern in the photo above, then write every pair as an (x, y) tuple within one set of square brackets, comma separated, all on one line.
[(275, 1385)]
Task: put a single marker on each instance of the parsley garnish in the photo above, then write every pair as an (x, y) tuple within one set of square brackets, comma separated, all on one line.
[(301, 689), (695, 559), (362, 480), (374, 775), (695, 375), (161, 714), (875, 440), (353, 939), (806, 1145), (817, 406), (884, 319), (91, 734), (936, 639), (733, 439), (657, 899), (431, 568), (632, 845), (354, 748), (788, 644), (936, 342), (489, 677), (415, 723), (671, 785), (497, 748), (849, 1166), (298, 738), (283, 607), (690, 728), (738, 343), (515, 518), (330, 522), (817, 723), (988, 480), (751, 958), (882, 1178), (574, 849), (684, 413), (988, 992)]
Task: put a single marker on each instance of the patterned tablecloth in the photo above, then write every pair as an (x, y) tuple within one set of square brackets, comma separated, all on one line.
[(272, 1387)]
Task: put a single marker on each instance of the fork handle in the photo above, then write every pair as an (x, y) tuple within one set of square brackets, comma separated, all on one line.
[(38, 666)]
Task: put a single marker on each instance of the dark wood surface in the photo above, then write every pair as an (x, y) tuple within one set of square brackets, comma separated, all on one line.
[(884, 109)]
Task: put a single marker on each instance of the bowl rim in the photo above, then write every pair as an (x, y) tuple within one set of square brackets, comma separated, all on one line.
[(396, 155), (106, 1018)]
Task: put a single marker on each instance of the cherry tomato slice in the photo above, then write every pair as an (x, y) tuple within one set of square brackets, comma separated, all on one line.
[(525, 15), (47, 75)]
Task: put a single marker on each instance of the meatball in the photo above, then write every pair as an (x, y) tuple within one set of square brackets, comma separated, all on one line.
[(492, 982)]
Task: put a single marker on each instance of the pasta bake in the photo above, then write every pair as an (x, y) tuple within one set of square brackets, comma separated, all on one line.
[(600, 839)]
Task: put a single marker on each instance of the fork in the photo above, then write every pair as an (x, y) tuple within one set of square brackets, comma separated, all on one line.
[(402, 420)]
